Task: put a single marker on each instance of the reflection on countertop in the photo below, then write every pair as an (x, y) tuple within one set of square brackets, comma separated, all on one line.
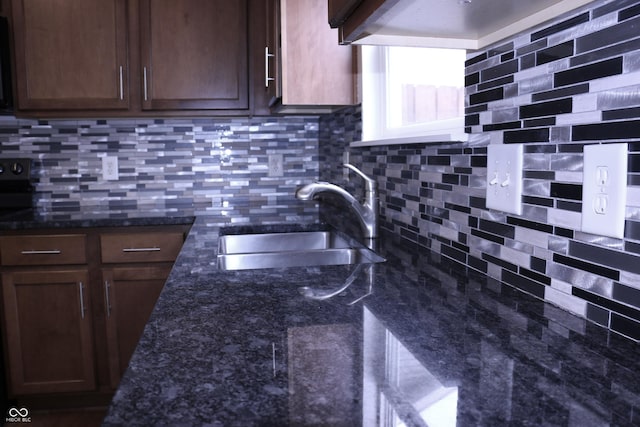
[(416, 340), (398, 389)]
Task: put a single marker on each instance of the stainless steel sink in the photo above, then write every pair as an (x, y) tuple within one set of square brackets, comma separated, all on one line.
[(294, 249)]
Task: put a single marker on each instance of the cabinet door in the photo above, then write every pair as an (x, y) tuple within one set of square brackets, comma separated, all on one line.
[(71, 54), (48, 331), (272, 50), (316, 70), (130, 295), (194, 54)]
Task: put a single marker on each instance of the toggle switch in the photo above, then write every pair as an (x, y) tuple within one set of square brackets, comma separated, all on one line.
[(494, 181), (507, 181)]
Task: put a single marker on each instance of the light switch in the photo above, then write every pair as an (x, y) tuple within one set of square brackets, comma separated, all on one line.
[(604, 189), (504, 178)]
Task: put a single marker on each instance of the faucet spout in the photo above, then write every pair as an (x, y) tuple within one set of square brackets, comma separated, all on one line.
[(367, 211)]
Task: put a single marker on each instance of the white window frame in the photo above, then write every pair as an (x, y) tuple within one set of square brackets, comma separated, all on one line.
[(374, 110)]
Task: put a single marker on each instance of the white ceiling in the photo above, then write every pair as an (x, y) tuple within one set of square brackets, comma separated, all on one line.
[(468, 25)]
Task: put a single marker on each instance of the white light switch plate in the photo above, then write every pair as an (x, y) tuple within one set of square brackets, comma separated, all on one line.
[(604, 189), (504, 178)]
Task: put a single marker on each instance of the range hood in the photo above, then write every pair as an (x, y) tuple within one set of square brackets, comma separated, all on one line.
[(463, 24)]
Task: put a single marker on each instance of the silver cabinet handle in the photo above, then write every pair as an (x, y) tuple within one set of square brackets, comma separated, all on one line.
[(273, 358), (107, 289), (81, 286), (267, 55), (144, 82), (121, 85), (141, 250), (45, 252)]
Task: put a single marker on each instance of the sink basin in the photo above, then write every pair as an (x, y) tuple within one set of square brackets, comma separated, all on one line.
[(293, 249)]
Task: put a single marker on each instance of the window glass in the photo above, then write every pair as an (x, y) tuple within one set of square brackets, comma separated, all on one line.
[(412, 91)]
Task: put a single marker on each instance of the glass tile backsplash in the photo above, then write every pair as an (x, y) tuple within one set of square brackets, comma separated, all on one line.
[(571, 82), (169, 167)]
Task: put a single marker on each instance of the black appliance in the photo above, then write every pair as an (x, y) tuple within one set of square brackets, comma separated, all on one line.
[(6, 88), (16, 188), (16, 204)]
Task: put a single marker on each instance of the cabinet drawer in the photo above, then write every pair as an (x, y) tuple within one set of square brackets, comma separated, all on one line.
[(140, 247), (43, 250)]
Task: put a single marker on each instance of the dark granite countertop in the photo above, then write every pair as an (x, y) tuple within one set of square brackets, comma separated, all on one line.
[(32, 219), (416, 337)]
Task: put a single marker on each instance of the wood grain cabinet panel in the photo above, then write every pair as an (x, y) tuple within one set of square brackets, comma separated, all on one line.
[(43, 250), (48, 328), (194, 54), (79, 58), (75, 304), (135, 267), (130, 295), (141, 247), (71, 54), (316, 73)]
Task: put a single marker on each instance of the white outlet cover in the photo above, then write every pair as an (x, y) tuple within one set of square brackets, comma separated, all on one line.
[(110, 168), (504, 178), (604, 189), (276, 166)]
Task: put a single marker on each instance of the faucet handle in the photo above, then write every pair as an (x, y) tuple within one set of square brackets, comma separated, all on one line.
[(370, 183)]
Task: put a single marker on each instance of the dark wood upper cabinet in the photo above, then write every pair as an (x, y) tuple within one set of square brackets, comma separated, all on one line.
[(354, 18), (339, 10), (114, 58), (194, 54), (71, 54)]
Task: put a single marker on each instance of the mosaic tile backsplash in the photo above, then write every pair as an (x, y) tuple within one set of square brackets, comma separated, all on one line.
[(571, 82), (169, 167)]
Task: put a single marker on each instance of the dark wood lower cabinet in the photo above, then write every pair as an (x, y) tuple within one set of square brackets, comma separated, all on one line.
[(74, 305), (49, 335), (130, 295)]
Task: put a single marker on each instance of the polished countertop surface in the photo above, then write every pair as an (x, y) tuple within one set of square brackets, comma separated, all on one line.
[(34, 219), (417, 339)]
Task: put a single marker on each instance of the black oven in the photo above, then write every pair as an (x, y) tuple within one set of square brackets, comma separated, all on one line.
[(16, 188)]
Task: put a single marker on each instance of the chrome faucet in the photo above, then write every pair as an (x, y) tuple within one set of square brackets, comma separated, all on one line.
[(367, 211)]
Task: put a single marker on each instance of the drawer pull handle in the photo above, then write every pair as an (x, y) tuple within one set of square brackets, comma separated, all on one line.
[(46, 252), (141, 250)]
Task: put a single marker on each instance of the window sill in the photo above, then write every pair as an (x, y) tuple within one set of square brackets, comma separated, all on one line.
[(425, 139)]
